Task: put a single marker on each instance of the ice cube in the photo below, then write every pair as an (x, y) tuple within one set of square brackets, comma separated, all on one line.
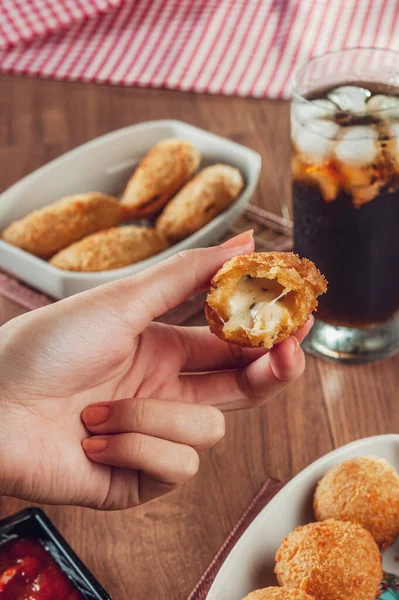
[(315, 140), (350, 98), (387, 107), (313, 109), (325, 129), (357, 146)]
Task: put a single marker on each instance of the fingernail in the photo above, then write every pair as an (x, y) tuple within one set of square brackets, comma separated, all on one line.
[(95, 415), (242, 239), (94, 445)]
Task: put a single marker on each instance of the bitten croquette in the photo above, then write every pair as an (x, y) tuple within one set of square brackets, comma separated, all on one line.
[(259, 299)]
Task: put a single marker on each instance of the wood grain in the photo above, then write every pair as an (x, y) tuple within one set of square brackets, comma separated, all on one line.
[(160, 550)]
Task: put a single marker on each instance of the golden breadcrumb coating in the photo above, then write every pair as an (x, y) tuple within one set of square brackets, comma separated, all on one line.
[(110, 249), (160, 174), (45, 231), (278, 593), (260, 299), (364, 490), (331, 560), (208, 194)]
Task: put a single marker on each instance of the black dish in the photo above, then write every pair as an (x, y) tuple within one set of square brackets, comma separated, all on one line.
[(33, 523)]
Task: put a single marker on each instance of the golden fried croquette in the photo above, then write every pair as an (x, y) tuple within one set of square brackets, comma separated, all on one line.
[(330, 560), (160, 174), (204, 197), (110, 249), (363, 490), (278, 593), (45, 231), (260, 299)]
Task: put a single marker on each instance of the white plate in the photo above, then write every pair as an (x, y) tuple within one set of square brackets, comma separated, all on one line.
[(105, 164), (250, 564)]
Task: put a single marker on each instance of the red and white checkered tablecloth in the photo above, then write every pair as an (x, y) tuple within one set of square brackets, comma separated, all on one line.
[(242, 47)]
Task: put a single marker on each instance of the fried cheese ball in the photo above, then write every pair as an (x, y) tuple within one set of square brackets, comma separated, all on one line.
[(260, 299), (160, 174), (278, 593), (331, 560), (203, 198), (110, 249), (364, 490), (45, 231)]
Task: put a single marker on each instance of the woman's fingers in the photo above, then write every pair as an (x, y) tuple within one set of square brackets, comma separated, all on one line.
[(130, 488), (151, 444), (197, 349), (199, 426), (162, 460), (203, 351), (152, 292), (251, 386), (303, 331)]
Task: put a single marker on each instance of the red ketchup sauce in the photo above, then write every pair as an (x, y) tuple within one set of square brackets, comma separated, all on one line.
[(29, 572)]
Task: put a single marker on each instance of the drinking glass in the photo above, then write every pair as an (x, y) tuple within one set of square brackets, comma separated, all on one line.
[(345, 171)]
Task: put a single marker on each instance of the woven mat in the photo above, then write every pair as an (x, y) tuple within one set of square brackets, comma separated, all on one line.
[(232, 47), (271, 232)]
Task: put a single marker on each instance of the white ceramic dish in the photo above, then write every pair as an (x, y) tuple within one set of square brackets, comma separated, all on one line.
[(250, 564), (105, 164)]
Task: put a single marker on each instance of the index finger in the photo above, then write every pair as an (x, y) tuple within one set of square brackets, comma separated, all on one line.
[(152, 292)]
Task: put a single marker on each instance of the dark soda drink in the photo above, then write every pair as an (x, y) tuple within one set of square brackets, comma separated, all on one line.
[(345, 170)]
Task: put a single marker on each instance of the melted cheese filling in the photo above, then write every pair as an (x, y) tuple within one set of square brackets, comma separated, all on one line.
[(257, 306)]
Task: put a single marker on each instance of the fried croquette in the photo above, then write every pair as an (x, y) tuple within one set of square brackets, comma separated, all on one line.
[(260, 299), (45, 231), (110, 249), (330, 560), (160, 174), (203, 198), (364, 490), (278, 593)]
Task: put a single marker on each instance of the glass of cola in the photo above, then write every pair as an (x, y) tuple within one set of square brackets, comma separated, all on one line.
[(345, 171)]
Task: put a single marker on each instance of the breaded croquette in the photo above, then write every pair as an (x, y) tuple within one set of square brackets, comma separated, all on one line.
[(207, 195), (364, 490), (260, 299), (55, 226), (331, 560), (160, 174), (110, 249), (278, 593)]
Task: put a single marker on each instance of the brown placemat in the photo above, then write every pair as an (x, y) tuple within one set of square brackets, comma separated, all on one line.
[(271, 232), (268, 490)]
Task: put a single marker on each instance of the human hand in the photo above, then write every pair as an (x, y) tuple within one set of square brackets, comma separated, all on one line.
[(96, 364)]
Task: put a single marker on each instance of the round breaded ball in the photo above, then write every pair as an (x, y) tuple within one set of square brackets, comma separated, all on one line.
[(259, 299), (330, 560), (278, 593), (364, 490)]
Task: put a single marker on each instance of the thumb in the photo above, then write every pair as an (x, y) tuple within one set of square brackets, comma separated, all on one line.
[(160, 288)]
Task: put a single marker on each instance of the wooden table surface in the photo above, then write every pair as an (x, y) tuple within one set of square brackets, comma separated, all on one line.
[(160, 549)]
